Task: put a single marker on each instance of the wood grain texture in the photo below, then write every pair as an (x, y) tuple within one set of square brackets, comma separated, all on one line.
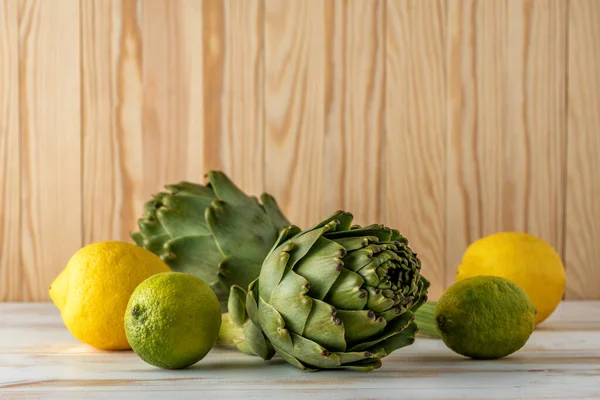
[(294, 107), (535, 135), (446, 119), (111, 65), (50, 120), (46, 360), (583, 186), (233, 90), (506, 85), (172, 117), (415, 140), (10, 154), (354, 108)]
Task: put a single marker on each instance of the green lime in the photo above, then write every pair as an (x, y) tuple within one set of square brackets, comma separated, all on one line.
[(485, 317), (172, 320)]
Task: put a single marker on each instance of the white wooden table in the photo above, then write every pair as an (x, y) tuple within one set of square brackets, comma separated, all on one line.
[(40, 359)]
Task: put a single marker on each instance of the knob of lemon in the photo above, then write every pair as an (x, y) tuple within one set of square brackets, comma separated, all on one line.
[(93, 289)]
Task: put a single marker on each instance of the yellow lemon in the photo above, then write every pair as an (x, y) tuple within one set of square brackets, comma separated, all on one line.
[(522, 258), (93, 289)]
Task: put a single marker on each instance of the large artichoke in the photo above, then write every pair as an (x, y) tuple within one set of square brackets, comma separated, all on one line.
[(215, 232), (330, 297)]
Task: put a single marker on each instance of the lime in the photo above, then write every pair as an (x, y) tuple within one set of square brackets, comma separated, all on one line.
[(485, 317), (172, 320)]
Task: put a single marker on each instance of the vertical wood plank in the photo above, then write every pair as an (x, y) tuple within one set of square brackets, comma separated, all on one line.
[(111, 110), (172, 118), (294, 107), (506, 130), (10, 183), (476, 95), (51, 142), (415, 142), (533, 141), (354, 107), (583, 186), (233, 90)]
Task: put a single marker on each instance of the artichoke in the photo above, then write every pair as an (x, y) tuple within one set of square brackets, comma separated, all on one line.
[(215, 232), (334, 296)]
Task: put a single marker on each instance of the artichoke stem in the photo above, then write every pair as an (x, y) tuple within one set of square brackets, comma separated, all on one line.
[(425, 320), (229, 334)]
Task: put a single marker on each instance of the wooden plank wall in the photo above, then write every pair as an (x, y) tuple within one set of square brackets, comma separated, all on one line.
[(448, 119)]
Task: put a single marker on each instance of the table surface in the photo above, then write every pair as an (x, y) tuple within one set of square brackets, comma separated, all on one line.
[(40, 359)]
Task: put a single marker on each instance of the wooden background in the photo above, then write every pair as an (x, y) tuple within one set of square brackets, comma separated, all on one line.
[(447, 119)]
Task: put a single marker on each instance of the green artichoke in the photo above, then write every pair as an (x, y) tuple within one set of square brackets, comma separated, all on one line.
[(334, 296), (215, 232)]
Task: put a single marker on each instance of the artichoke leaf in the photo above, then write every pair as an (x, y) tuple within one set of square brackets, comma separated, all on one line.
[(377, 301), (257, 342), (352, 243), (397, 341), (186, 188), (355, 260), (156, 243), (393, 328), (138, 238), (356, 356), (313, 354), (394, 312), (274, 212), (360, 324), (291, 301), (346, 293), (343, 218), (283, 258), (196, 255), (251, 302), (233, 270), (362, 366), (150, 207), (284, 235), (382, 233), (369, 273), (191, 206), (273, 326), (292, 360), (240, 229), (303, 243), (397, 237), (272, 272), (183, 219), (324, 327), (150, 227), (321, 267), (387, 255), (236, 305), (226, 190)]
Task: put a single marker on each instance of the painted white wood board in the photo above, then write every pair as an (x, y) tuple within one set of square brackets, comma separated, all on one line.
[(39, 358)]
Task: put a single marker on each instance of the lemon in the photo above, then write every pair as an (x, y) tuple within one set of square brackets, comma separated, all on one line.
[(522, 258), (485, 317), (93, 289), (172, 320)]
